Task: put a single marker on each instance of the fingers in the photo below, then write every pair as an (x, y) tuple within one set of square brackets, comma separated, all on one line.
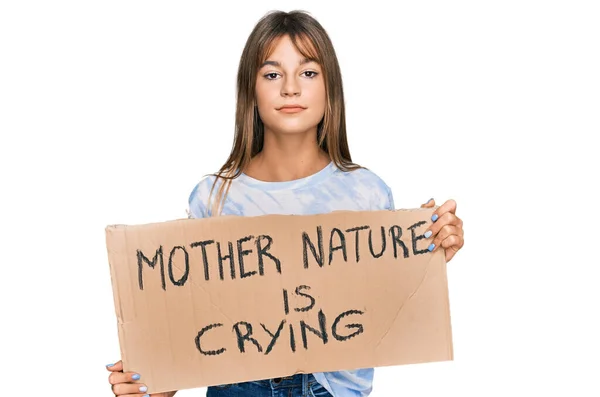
[(429, 204), (450, 252), (452, 241), (446, 219), (448, 206), (129, 389), (138, 394), (116, 367), (448, 235), (122, 377), (123, 383), (446, 230)]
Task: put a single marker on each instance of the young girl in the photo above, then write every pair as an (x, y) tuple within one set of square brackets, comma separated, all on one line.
[(290, 156)]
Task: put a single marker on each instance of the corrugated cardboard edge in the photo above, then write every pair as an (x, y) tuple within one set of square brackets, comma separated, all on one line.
[(226, 217), (449, 337), (109, 232)]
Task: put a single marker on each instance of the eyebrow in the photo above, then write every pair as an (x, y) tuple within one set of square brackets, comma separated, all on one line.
[(275, 63)]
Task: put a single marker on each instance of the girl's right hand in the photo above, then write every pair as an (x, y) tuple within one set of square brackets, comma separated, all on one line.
[(124, 383)]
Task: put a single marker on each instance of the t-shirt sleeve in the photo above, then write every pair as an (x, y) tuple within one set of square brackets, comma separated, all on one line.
[(196, 208), (375, 189), (198, 199), (390, 200), (382, 197)]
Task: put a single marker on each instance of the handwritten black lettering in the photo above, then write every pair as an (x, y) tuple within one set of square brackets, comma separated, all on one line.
[(202, 332), (286, 306), (186, 272), (244, 333), (322, 334), (241, 253), (357, 229), (262, 251), (383, 243), (202, 245), (241, 337), (224, 258), (359, 327), (292, 339), (416, 238), (158, 256), (312, 300), (306, 242), (396, 233), (273, 336), (342, 245)]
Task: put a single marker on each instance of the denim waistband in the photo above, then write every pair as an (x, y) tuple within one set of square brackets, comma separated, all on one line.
[(297, 380)]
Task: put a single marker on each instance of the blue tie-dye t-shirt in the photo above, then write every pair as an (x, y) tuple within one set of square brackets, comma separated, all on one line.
[(325, 191)]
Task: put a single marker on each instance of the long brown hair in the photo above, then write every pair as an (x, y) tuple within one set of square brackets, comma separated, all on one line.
[(313, 42)]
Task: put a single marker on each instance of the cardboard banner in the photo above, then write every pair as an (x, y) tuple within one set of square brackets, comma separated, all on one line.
[(203, 302)]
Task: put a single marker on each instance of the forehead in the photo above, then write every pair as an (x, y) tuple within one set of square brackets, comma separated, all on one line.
[(286, 46)]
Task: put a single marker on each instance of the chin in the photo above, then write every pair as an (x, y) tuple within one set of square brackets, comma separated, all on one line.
[(297, 129), (292, 126)]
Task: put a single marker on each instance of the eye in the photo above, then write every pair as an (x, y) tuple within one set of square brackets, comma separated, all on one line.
[(271, 76), (310, 74)]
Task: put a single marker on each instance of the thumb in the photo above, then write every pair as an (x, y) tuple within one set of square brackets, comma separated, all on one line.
[(429, 204), (116, 367)]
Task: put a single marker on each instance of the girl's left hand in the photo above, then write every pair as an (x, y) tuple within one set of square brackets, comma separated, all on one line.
[(447, 228)]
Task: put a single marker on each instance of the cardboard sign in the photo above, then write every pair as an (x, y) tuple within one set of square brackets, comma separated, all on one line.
[(229, 299)]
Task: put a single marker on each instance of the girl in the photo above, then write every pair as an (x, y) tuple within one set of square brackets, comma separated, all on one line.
[(290, 156)]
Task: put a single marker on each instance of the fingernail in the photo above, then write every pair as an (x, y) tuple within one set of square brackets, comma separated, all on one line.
[(427, 234), (143, 389), (109, 365), (146, 395), (431, 247), (135, 377), (434, 217)]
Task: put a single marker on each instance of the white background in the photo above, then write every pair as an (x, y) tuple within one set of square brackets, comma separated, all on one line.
[(111, 111)]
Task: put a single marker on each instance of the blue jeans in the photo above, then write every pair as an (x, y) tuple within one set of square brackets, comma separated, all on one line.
[(300, 385)]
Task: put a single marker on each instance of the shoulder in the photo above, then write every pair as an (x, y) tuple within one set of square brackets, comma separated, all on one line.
[(368, 184), (198, 200), (364, 176)]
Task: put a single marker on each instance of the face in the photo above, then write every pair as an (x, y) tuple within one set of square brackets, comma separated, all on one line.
[(290, 91)]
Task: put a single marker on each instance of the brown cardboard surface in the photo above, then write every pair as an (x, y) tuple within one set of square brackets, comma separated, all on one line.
[(184, 321)]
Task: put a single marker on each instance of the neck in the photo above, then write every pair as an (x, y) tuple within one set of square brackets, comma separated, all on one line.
[(287, 157)]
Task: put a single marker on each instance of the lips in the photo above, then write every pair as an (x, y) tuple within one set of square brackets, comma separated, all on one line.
[(291, 108)]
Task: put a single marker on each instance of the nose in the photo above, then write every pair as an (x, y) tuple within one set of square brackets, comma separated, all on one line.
[(290, 87)]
